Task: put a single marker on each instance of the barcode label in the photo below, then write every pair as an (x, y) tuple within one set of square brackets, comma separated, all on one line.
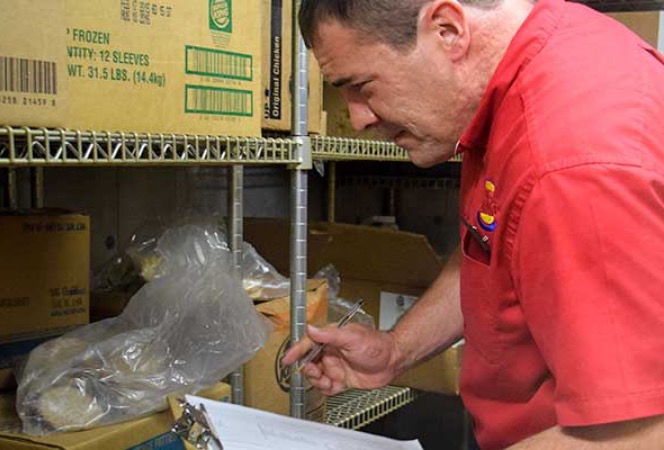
[(28, 76), (210, 100), (217, 63)]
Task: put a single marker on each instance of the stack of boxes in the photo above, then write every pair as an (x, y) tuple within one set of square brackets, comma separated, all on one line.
[(207, 67), (44, 280), (214, 67)]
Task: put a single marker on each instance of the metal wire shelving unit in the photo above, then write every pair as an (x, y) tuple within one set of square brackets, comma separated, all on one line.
[(25, 146), (355, 408), (53, 147), (43, 147), (39, 148)]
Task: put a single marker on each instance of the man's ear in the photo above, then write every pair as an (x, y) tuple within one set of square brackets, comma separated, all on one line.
[(445, 22)]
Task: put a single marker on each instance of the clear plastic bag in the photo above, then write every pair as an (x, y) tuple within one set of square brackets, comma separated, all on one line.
[(259, 278), (187, 328), (337, 307), (134, 265), (140, 262)]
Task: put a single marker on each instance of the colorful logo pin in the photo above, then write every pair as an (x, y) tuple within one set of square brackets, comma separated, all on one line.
[(486, 216)]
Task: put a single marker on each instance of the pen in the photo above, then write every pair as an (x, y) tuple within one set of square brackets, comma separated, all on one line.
[(481, 240), (317, 347)]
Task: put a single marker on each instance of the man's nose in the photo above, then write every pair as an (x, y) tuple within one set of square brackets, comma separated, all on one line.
[(362, 116)]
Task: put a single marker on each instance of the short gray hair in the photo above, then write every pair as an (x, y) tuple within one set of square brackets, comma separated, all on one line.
[(391, 21)]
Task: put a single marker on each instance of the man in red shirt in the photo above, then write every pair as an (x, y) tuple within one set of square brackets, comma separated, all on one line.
[(557, 283)]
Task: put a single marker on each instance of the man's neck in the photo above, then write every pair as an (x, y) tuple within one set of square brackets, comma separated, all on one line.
[(491, 31)]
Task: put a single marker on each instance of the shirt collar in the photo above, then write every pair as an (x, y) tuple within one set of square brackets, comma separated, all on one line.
[(528, 41)]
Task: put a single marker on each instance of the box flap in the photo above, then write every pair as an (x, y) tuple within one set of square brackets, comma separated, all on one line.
[(278, 310), (358, 252)]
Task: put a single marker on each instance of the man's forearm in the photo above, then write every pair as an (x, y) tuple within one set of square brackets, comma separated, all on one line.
[(434, 322)]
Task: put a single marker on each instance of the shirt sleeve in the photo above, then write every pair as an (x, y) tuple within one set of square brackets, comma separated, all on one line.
[(589, 269)]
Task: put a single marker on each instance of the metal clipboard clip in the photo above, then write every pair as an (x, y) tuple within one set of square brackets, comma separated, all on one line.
[(195, 427)]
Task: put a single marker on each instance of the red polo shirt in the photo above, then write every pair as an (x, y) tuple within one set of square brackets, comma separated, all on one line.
[(563, 180)]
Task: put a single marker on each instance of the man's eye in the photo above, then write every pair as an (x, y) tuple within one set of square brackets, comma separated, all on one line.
[(358, 86)]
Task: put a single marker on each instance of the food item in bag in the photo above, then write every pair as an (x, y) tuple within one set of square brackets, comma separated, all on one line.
[(69, 407), (56, 350)]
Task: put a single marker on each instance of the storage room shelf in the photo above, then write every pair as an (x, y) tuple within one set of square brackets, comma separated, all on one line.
[(399, 182), (343, 149), (354, 408), (25, 146), (50, 147)]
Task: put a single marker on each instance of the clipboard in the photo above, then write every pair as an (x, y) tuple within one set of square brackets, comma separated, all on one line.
[(193, 426), (238, 427)]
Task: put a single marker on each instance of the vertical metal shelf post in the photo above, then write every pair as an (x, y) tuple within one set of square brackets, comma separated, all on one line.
[(299, 187), (234, 187), (37, 188), (12, 189), (332, 192)]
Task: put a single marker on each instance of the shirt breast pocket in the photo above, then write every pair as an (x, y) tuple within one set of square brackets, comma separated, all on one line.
[(479, 301)]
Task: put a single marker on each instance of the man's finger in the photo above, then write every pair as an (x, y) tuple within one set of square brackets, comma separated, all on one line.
[(301, 348), (330, 335), (312, 371), (297, 351), (333, 388), (336, 337)]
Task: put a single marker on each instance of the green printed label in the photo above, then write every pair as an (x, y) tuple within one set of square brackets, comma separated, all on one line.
[(218, 101), (218, 63), (96, 62), (166, 441), (221, 15)]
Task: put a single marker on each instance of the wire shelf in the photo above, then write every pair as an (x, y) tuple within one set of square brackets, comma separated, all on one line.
[(340, 149), (47, 147), (355, 408), (24, 146), (400, 182)]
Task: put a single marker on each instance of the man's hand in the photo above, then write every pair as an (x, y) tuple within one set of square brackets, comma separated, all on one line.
[(360, 357), (354, 356)]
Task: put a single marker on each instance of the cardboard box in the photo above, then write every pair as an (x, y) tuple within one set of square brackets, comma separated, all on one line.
[(265, 386), (278, 71), (173, 66), (44, 274), (151, 432), (647, 24), (13, 352), (44, 281), (374, 264)]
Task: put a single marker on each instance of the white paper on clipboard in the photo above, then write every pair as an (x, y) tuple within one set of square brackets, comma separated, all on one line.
[(242, 428)]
